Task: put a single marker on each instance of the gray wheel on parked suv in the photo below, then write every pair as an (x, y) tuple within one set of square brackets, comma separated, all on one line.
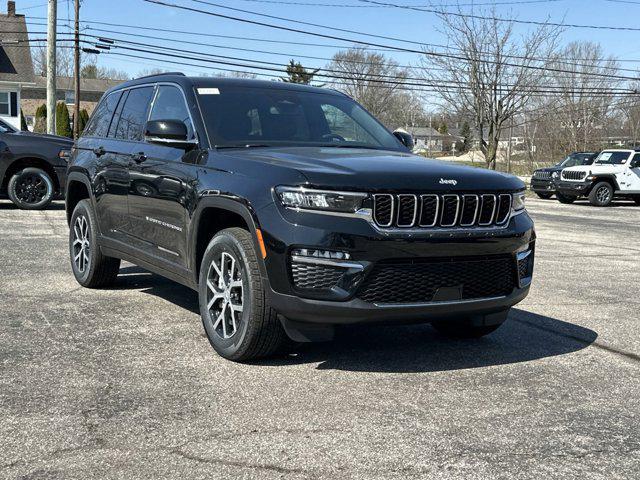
[(601, 194), (31, 189), (91, 268), (544, 196), (236, 315), (565, 198), (464, 328)]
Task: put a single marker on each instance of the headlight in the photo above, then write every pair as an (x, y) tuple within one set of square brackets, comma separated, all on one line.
[(518, 201), (300, 197)]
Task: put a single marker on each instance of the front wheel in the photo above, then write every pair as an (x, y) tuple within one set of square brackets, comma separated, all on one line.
[(464, 329), (544, 196), (31, 189), (565, 198), (236, 315), (601, 194), (91, 268)]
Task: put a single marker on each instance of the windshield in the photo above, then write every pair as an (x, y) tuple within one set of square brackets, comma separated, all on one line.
[(612, 158), (576, 159), (239, 116)]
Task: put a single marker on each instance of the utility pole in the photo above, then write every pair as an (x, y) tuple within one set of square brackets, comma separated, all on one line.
[(76, 74), (51, 66), (509, 147)]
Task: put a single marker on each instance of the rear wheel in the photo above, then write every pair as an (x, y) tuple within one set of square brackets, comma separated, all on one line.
[(91, 268), (31, 189), (601, 194), (464, 329), (545, 196), (565, 198), (236, 315)]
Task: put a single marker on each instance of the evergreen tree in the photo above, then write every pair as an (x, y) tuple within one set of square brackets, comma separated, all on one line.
[(84, 118), (40, 125), (63, 123), (465, 133), (23, 122), (296, 73), (443, 129)]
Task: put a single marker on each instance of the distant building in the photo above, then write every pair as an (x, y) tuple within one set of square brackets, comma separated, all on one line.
[(16, 67), (427, 138)]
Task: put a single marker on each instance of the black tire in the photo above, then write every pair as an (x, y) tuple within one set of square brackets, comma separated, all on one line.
[(92, 269), (253, 332), (601, 194), (544, 196), (565, 198), (31, 189), (464, 329)]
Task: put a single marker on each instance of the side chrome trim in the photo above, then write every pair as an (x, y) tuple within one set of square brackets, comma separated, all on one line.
[(326, 261)]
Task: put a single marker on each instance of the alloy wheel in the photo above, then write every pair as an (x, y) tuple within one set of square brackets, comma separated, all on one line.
[(603, 194), (81, 244), (31, 188), (225, 294)]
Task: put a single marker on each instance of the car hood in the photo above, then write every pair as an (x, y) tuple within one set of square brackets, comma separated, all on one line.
[(378, 170), (45, 137)]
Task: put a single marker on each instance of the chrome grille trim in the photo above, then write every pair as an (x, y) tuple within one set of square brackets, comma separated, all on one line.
[(475, 214), (375, 204), (399, 210), (435, 216), (493, 212), (573, 175), (442, 210)]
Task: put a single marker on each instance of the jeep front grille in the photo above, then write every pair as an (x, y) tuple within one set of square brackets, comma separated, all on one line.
[(441, 211), (573, 175), (541, 175), (424, 280)]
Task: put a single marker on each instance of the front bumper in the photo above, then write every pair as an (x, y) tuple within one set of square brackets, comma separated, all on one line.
[(573, 189), (368, 247), (543, 186)]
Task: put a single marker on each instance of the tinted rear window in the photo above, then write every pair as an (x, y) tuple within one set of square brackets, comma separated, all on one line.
[(134, 114)]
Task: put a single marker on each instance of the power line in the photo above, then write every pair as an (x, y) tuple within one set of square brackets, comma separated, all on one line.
[(498, 19), (362, 42), (342, 5)]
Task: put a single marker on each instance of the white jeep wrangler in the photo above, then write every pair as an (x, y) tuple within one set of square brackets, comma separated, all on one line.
[(614, 173)]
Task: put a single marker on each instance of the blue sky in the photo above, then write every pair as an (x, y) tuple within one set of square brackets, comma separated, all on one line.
[(407, 24)]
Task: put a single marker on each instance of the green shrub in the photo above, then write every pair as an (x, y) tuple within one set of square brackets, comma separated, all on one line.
[(63, 123), (40, 124)]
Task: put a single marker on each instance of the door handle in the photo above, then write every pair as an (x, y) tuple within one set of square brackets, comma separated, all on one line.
[(98, 152), (138, 157)]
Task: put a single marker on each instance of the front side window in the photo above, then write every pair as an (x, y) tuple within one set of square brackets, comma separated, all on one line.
[(134, 114), (101, 119), (612, 158), (169, 105), (5, 128), (236, 116), (4, 104)]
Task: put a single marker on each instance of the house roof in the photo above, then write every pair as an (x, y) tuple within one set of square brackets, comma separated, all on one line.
[(98, 85), (15, 59), (429, 132)]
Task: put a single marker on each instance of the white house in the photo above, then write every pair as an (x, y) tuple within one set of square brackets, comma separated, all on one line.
[(16, 67)]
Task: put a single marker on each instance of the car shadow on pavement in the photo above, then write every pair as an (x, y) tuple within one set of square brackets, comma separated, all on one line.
[(524, 337), (8, 205)]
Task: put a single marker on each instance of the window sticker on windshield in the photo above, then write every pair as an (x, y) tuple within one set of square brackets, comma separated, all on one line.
[(208, 91), (605, 156)]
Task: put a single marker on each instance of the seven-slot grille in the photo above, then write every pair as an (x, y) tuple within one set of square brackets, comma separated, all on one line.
[(540, 175), (441, 211), (573, 175)]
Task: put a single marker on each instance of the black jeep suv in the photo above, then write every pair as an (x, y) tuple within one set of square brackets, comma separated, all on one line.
[(33, 167), (290, 210), (544, 181)]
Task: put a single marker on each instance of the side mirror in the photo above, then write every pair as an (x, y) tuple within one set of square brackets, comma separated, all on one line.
[(405, 138), (172, 133)]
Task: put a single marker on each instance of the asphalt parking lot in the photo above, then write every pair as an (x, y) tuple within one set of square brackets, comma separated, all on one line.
[(123, 384)]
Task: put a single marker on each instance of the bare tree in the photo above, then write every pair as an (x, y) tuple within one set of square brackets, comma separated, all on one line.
[(64, 60), (490, 73), (584, 100), (372, 79)]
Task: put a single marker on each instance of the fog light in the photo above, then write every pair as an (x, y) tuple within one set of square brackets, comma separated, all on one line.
[(315, 253)]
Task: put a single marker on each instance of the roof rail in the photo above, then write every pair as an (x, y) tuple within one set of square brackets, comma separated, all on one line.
[(160, 75)]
